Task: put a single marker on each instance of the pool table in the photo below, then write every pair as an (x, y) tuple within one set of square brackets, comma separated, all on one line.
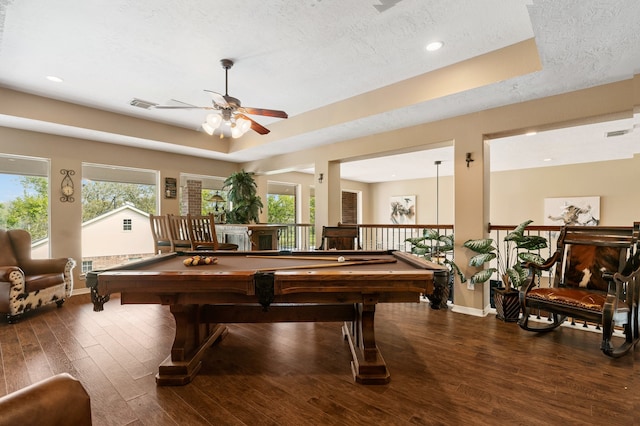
[(270, 286)]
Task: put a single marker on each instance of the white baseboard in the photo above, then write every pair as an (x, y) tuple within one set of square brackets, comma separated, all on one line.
[(472, 311)]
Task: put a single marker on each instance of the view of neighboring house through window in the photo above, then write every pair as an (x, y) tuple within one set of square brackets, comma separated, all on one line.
[(24, 199), (87, 265), (116, 204)]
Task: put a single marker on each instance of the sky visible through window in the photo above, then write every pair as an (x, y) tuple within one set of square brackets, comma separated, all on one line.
[(10, 187)]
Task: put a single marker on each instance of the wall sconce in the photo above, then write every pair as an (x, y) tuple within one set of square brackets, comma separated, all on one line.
[(320, 177), (468, 159)]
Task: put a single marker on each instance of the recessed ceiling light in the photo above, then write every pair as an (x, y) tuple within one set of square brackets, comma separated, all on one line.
[(547, 159), (433, 46), (531, 133), (54, 79)]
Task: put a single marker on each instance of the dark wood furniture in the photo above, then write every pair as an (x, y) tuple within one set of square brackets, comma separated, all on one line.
[(340, 238), (583, 286), (270, 287)]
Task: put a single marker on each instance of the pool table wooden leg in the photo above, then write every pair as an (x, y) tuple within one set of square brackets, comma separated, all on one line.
[(368, 366), (191, 341)]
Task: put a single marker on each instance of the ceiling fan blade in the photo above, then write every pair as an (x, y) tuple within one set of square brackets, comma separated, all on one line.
[(265, 112), (218, 99), (255, 126)]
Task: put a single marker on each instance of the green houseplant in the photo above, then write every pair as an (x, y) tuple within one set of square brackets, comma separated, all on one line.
[(437, 248), (517, 247), (246, 204)]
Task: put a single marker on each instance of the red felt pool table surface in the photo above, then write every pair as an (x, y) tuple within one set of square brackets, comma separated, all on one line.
[(269, 287)]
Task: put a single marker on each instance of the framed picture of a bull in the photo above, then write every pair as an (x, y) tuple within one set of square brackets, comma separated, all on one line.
[(403, 209), (572, 211)]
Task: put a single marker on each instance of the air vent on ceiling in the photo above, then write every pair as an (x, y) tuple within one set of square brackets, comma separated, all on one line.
[(142, 104), (617, 133)]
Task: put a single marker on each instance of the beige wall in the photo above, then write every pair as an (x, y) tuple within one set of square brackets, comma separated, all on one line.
[(425, 192), (615, 182), (519, 195)]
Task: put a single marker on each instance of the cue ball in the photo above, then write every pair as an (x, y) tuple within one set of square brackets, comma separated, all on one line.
[(340, 259)]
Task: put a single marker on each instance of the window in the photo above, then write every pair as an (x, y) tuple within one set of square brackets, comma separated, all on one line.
[(117, 199), (24, 199), (212, 199), (281, 203), (87, 265)]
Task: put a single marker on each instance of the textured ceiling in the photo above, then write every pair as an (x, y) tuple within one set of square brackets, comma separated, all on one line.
[(305, 57)]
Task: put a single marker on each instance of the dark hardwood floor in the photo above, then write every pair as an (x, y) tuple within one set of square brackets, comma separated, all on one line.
[(446, 368)]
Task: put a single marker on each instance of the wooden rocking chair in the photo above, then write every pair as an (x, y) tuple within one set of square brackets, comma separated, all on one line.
[(593, 281)]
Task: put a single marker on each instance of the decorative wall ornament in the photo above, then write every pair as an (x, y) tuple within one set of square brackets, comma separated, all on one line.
[(66, 186), (170, 187), (403, 209), (572, 211)]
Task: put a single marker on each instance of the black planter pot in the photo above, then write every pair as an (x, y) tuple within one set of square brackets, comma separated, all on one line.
[(507, 304), (441, 294)]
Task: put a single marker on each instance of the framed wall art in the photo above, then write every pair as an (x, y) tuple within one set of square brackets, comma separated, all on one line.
[(572, 211), (170, 188), (403, 209)]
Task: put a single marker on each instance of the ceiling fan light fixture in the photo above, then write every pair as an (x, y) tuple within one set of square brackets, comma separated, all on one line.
[(243, 124), (236, 132), (207, 128), (214, 120), (228, 111)]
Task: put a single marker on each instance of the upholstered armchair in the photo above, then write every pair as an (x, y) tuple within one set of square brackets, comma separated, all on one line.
[(27, 283)]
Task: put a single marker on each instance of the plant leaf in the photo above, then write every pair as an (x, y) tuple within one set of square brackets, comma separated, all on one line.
[(517, 275), (455, 269), (420, 251), (416, 240), (531, 257), (480, 259), (532, 242), (482, 276), (514, 277), (430, 234), (480, 246)]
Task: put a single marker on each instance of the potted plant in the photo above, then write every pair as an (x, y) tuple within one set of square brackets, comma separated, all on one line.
[(437, 248), (246, 204), (517, 247)]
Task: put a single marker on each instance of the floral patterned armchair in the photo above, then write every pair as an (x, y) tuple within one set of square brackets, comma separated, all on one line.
[(27, 283)]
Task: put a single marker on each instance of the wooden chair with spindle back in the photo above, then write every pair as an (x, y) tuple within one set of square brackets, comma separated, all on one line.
[(202, 233)]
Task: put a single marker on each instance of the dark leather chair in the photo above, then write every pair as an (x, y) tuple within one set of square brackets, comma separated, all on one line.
[(593, 281), (27, 283), (58, 400)]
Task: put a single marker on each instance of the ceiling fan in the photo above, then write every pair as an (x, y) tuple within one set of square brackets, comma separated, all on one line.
[(228, 111)]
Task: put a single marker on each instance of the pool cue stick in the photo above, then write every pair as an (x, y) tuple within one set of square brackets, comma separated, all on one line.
[(308, 257), (329, 265), (296, 257)]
